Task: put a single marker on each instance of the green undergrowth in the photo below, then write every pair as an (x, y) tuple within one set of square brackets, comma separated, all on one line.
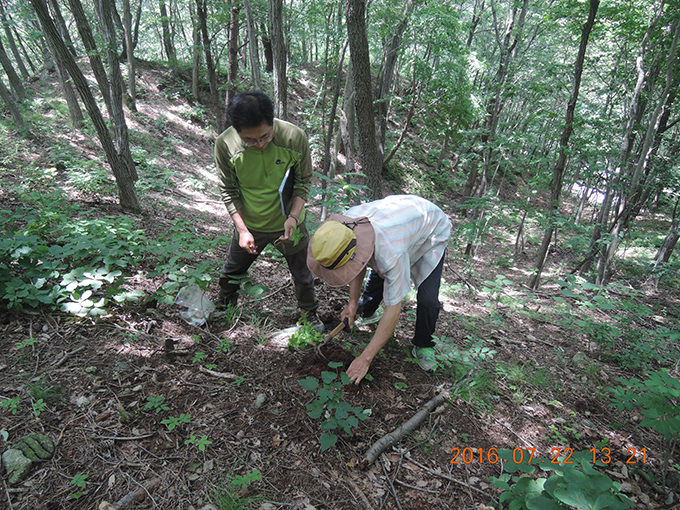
[(58, 254)]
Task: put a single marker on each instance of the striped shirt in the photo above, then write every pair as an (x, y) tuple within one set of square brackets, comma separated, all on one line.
[(411, 235)]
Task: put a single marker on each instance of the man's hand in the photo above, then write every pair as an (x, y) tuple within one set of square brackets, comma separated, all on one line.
[(288, 227), (350, 313), (247, 242), (358, 369)]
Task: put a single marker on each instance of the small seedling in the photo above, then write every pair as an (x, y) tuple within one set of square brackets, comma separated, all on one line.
[(78, 481), (198, 357), (38, 407), (12, 404), (25, 343), (201, 443), (247, 479), (304, 337), (400, 385), (173, 421), (156, 403), (329, 403), (239, 381)]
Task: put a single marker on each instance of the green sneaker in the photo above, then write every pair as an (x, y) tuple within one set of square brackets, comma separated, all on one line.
[(371, 319), (426, 358)]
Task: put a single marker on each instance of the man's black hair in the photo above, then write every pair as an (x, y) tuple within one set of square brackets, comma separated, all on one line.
[(250, 109)]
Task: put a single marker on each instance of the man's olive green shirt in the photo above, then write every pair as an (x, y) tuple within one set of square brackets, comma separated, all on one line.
[(249, 178)]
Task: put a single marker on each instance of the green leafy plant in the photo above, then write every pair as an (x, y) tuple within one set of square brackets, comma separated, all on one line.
[(12, 404), (573, 485), (247, 479), (656, 398), (156, 403), (79, 481), (339, 415), (174, 421), (201, 443), (25, 343), (38, 407), (304, 337), (198, 357)]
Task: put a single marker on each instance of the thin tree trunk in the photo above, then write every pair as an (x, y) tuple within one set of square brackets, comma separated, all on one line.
[(201, 11), (15, 82), (268, 51), (371, 159), (233, 56), (558, 170), (88, 40), (279, 54), (132, 83), (12, 44), (126, 189), (75, 113), (61, 27), (167, 38), (627, 205), (6, 96), (252, 47), (195, 53)]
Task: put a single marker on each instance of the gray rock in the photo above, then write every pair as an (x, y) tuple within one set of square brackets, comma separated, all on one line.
[(16, 465)]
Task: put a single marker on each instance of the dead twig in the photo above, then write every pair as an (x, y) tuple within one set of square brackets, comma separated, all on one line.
[(397, 435), (9, 499), (221, 375), (449, 478), (131, 497), (67, 355), (359, 492), (387, 477)]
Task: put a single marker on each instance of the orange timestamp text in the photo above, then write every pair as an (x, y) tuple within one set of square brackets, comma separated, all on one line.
[(557, 455)]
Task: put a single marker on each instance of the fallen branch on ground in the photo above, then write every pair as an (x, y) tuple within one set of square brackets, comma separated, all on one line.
[(397, 435), (221, 375), (131, 497)]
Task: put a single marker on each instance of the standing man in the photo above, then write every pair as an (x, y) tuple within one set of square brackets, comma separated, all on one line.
[(400, 238), (264, 170)]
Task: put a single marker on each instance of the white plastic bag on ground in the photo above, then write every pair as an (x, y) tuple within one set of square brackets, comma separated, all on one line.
[(199, 307)]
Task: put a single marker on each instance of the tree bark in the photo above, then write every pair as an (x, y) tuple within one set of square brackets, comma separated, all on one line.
[(371, 159), (88, 40), (558, 170), (279, 54), (233, 57), (126, 189), (252, 47), (132, 72), (12, 44), (201, 12), (6, 96), (15, 82), (167, 37), (61, 27), (268, 51)]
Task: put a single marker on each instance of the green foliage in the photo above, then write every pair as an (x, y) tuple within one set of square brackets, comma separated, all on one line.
[(304, 337), (201, 443), (38, 407), (247, 479), (25, 343), (339, 415), (174, 421), (573, 485), (340, 192), (79, 480), (156, 403), (232, 498), (11, 404)]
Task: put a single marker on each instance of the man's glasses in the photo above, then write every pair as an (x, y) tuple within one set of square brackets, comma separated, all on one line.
[(251, 142)]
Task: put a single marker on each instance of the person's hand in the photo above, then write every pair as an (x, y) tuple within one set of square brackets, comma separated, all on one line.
[(247, 242), (288, 227), (349, 313), (358, 369)]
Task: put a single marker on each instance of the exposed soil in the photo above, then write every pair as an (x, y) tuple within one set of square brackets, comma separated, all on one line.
[(102, 374)]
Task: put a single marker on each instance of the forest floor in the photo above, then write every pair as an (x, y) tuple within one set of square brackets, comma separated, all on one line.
[(533, 385)]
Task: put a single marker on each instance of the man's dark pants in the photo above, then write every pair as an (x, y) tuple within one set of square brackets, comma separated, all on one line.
[(427, 303), (239, 261)]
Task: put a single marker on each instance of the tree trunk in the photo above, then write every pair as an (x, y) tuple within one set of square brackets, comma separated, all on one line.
[(371, 159), (15, 82), (126, 189), (12, 44), (558, 170), (201, 11), (670, 241), (279, 53), (167, 37), (6, 96), (625, 215), (132, 83), (252, 47), (233, 57), (88, 40), (268, 51), (61, 27), (75, 113), (195, 53), (391, 53)]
